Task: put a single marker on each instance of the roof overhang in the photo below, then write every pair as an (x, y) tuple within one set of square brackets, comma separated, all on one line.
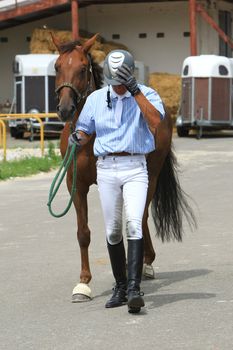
[(24, 11), (19, 12), (29, 11)]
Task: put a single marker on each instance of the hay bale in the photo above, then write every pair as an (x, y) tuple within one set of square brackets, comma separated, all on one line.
[(110, 45), (63, 35), (41, 42), (99, 51), (168, 87), (40, 47), (98, 55)]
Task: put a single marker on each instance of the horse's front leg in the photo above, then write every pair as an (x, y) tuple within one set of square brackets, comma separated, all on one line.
[(82, 291)]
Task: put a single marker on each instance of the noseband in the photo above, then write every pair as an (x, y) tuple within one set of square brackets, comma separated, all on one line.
[(78, 95)]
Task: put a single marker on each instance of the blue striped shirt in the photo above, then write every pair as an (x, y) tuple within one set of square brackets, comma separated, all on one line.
[(132, 136)]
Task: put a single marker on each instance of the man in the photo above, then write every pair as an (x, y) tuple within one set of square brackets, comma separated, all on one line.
[(125, 116)]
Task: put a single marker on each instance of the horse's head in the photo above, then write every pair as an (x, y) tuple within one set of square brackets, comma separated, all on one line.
[(74, 79)]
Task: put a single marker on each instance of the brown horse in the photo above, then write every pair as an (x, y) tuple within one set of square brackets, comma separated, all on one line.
[(77, 75)]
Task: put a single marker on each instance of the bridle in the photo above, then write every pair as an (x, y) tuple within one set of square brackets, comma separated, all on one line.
[(79, 95)]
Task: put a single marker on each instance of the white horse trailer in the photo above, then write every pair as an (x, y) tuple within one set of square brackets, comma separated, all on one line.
[(206, 101), (34, 91)]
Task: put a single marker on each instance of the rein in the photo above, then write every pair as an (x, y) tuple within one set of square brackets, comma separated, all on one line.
[(71, 152), (71, 155)]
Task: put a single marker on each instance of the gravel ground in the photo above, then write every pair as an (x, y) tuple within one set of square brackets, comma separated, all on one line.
[(19, 153), (18, 149)]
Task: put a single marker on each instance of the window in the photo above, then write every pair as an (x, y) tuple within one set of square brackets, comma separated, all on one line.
[(15, 67), (3, 39), (116, 36), (160, 35), (223, 70), (142, 35), (186, 70)]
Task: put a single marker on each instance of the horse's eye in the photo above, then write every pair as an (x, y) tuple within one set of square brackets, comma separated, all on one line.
[(56, 68), (84, 69)]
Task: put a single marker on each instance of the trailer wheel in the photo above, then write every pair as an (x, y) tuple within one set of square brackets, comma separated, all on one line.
[(19, 135), (16, 133), (181, 131)]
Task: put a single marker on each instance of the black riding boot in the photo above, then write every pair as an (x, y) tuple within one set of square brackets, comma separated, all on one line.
[(118, 263), (135, 265)]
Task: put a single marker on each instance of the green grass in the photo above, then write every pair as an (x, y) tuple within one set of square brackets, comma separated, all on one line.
[(30, 165)]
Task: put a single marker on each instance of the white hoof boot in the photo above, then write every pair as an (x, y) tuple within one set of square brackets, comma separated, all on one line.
[(81, 293), (148, 271)]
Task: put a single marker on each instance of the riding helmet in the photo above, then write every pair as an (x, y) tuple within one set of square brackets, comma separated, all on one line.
[(113, 61)]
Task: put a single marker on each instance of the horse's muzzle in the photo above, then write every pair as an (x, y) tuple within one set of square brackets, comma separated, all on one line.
[(66, 113)]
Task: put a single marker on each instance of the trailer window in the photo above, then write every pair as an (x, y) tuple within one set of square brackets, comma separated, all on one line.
[(223, 70), (15, 67), (186, 70)]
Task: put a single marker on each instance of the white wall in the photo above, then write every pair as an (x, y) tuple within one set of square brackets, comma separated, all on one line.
[(160, 54), (208, 38)]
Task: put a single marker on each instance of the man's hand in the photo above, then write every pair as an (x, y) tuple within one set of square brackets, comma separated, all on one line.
[(75, 138), (125, 77)]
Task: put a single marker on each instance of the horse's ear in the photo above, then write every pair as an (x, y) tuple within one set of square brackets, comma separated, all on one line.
[(88, 44), (55, 41)]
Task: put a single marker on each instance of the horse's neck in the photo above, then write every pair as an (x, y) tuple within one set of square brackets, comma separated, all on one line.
[(79, 109), (81, 104)]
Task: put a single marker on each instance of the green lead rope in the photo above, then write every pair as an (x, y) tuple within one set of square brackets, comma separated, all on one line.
[(69, 156)]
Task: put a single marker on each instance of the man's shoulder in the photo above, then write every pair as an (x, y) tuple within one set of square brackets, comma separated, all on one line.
[(99, 92), (145, 88)]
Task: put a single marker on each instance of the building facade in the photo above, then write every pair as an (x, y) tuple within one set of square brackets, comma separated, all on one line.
[(157, 33)]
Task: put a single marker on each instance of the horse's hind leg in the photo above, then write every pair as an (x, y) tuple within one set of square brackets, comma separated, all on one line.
[(149, 252)]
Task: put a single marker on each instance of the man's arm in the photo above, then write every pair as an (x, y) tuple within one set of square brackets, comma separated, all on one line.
[(79, 138), (150, 113)]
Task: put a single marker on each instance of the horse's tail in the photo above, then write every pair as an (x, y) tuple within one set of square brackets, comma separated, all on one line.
[(170, 203)]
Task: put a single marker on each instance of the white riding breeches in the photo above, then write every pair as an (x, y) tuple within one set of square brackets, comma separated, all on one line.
[(122, 180)]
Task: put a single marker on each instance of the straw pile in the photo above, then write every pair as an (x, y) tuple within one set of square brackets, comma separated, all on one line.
[(41, 42), (168, 87)]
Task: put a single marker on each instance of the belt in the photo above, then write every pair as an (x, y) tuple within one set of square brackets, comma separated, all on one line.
[(122, 154)]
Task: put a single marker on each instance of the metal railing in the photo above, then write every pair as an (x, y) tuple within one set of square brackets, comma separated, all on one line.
[(4, 118), (3, 137)]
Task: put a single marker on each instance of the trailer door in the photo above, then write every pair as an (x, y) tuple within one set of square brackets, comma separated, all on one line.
[(35, 93)]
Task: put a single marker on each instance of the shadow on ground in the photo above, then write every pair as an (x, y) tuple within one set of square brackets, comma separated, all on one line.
[(151, 287)]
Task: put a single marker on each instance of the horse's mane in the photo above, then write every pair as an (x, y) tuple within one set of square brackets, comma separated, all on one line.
[(97, 73), (96, 68)]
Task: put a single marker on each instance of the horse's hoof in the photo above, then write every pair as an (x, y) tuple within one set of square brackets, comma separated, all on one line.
[(134, 310), (81, 293), (148, 271), (79, 298)]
